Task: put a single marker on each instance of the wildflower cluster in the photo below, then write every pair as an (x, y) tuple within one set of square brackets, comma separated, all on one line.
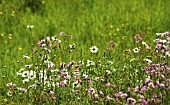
[(91, 81)]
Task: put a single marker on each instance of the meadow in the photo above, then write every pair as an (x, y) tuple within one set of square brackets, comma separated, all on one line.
[(84, 52)]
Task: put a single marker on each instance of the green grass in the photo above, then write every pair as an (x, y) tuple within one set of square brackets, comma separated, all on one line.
[(90, 22)]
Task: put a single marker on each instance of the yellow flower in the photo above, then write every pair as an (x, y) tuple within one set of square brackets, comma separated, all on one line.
[(10, 37), (20, 48), (43, 2), (5, 100), (111, 26), (2, 35), (123, 37), (6, 42), (114, 34), (117, 29), (13, 13), (1, 13), (110, 34)]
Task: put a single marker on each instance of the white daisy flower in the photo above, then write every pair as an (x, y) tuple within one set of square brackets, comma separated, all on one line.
[(25, 80), (144, 43), (147, 60), (58, 41), (53, 38), (29, 66), (48, 38), (32, 86), (9, 84), (32, 74), (90, 63), (136, 50), (167, 53), (93, 49), (26, 57), (56, 70), (65, 81), (9, 93), (28, 26), (25, 74), (158, 34)]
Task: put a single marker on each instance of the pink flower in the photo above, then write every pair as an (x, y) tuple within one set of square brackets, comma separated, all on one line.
[(128, 51), (124, 95), (148, 47), (131, 100), (59, 77), (96, 95), (147, 80), (63, 73), (107, 71), (50, 45), (62, 83), (62, 33), (162, 85), (89, 81), (100, 92), (53, 98), (157, 82), (34, 50), (77, 75), (77, 91), (96, 79), (85, 76), (137, 36), (108, 84), (39, 43), (129, 88), (143, 89), (51, 92), (107, 97), (136, 89), (90, 89), (71, 37)]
